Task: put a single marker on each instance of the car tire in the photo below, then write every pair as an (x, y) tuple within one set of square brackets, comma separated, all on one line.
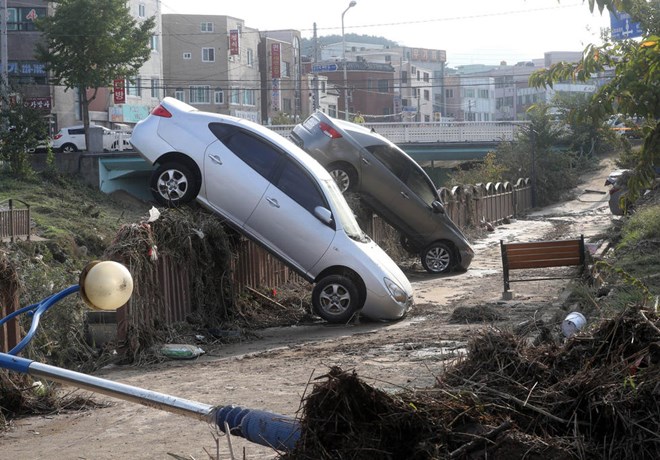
[(173, 184), (344, 175), (438, 258), (336, 299), (68, 148)]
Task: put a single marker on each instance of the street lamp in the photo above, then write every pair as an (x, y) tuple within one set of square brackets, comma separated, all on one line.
[(343, 54)]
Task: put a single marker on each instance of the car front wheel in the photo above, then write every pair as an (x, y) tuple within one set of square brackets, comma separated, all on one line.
[(344, 175), (335, 299), (173, 184), (438, 258)]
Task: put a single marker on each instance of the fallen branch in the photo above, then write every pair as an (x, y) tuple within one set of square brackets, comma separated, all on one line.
[(470, 446), (266, 298)]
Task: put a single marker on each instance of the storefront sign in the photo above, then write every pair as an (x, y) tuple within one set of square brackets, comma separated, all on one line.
[(119, 91)]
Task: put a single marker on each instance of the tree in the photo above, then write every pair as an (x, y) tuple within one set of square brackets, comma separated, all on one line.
[(24, 128), (634, 90), (89, 43)]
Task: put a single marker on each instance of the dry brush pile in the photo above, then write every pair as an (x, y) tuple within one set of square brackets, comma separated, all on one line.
[(595, 396)]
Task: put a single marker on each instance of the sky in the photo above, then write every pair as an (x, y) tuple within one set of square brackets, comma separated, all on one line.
[(471, 31)]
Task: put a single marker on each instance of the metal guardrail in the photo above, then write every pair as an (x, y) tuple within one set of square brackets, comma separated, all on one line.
[(431, 132), (14, 223)]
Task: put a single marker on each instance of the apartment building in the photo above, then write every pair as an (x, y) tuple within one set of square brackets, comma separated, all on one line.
[(27, 78), (211, 62)]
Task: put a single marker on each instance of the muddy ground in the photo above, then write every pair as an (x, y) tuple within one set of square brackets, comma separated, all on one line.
[(274, 370)]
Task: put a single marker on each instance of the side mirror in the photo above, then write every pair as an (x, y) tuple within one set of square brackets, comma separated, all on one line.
[(323, 214), (438, 208)]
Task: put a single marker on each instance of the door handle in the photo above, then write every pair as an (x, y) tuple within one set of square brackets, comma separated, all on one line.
[(216, 159), (405, 195), (365, 161), (273, 202)]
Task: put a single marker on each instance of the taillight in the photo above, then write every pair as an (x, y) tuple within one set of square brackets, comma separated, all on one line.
[(329, 131), (161, 111), (57, 136)]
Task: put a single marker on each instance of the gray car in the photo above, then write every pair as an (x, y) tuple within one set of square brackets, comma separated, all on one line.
[(392, 183)]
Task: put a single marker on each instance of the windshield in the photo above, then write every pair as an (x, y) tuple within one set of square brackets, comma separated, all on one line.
[(345, 217)]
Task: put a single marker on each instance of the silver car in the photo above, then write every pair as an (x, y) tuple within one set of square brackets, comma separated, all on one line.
[(273, 192), (392, 184)]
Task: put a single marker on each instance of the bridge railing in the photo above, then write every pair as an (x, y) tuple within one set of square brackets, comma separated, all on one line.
[(429, 132)]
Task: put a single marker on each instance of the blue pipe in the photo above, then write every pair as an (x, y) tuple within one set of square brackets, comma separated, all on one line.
[(277, 431)]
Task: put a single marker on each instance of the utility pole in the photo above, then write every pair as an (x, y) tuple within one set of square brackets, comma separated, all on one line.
[(315, 79)]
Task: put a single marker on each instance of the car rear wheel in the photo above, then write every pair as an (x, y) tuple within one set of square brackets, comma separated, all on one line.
[(335, 299), (344, 175), (438, 258), (68, 148), (173, 184)]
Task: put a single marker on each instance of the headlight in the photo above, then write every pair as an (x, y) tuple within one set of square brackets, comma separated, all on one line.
[(396, 292)]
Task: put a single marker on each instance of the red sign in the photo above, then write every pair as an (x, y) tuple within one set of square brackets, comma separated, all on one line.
[(39, 103), (119, 91), (233, 42), (275, 60)]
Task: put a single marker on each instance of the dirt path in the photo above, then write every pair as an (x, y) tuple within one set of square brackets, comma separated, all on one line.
[(273, 372)]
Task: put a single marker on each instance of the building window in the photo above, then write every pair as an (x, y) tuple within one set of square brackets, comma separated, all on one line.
[(134, 89), (427, 95), (469, 92), (142, 10), (179, 94), (286, 105), (208, 54), (286, 69), (250, 57), (449, 93), (23, 18), (248, 97), (199, 94), (207, 27), (383, 86), (418, 75), (154, 43), (155, 87), (187, 55), (404, 76), (219, 96), (427, 77), (332, 111), (483, 93), (234, 96)]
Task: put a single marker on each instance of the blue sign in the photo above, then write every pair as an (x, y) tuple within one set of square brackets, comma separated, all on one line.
[(623, 27), (324, 68)]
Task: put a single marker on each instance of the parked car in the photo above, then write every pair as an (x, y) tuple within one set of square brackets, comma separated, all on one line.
[(392, 183), (273, 192), (72, 139)]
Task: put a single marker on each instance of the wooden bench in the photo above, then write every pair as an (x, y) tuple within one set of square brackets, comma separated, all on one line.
[(540, 254)]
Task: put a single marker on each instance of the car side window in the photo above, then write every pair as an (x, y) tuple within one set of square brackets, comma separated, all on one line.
[(297, 184), (418, 182), (258, 154), (392, 159), (77, 131)]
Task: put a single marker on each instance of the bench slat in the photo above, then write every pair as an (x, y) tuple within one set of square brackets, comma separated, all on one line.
[(545, 263), (575, 244)]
